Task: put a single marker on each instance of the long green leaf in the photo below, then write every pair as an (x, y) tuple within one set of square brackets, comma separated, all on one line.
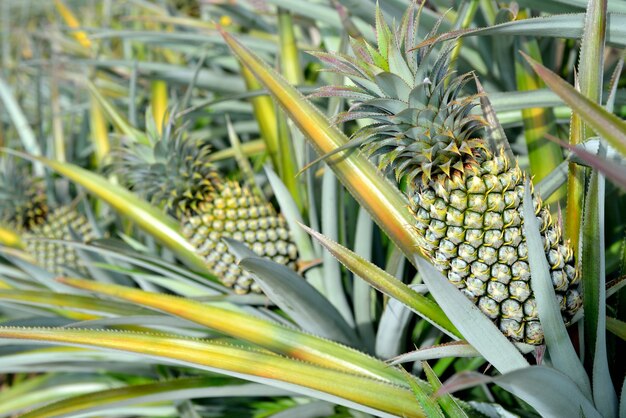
[(354, 391), (454, 349), (301, 301), (115, 117), (607, 125), (279, 338), (73, 302), (593, 270), (556, 26), (387, 284), (589, 77), (446, 401), (27, 136), (563, 399), (562, 352), (172, 390)]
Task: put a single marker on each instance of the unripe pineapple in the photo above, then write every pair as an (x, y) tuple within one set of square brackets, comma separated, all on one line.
[(466, 199), (24, 208), (174, 172)]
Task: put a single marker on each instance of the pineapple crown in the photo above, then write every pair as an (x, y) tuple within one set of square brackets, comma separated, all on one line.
[(171, 170), (420, 126), (23, 201)]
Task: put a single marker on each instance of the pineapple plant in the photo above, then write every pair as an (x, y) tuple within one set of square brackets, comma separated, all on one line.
[(465, 197), (173, 172), (24, 209)]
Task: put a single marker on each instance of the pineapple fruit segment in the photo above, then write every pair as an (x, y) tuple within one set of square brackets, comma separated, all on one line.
[(24, 208), (466, 198), (174, 172), (64, 223), (237, 213)]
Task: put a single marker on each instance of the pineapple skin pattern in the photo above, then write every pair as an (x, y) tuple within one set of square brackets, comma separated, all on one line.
[(64, 223), (466, 199), (239, 214), (174, 172)]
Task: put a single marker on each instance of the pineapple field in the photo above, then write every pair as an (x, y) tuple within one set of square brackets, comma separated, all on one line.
[(330, 208)]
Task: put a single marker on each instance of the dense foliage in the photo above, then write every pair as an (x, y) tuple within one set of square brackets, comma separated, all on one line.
[(332, 208)]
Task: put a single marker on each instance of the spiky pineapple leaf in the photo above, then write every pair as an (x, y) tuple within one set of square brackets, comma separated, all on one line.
[(555, 26), (446, 401), (426, 401), (289, 291), (564, 399), (170, 390), (611, 169), (562, 352), (354, 391), (269, 335), (606, 124), (456, 349), (593, 272), (79, 303), (115, 117), (388, 284)]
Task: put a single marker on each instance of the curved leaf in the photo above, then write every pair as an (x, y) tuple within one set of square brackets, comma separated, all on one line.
[(388, 284), (354, 391), (563, 399), (272, 336), (562, 352), (289, 291), (454, 349), (180, 389), (606, 124)]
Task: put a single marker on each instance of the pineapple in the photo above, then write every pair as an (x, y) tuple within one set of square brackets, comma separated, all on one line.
[(24, 208), (174, 172), (466, 199)]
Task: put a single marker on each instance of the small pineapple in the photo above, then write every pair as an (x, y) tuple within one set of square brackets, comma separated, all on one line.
[(466, 198), (174, 172), (24, 208)]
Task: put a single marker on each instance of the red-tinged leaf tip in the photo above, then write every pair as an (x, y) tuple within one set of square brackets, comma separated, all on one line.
[(534, 64), (606, 124), (221, 29), (610, 169)]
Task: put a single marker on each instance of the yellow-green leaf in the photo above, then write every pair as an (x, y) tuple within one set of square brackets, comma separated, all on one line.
[(387, 284), (272, 336), (354, 391)]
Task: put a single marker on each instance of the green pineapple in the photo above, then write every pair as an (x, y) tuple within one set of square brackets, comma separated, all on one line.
[(174, 172), (466, 198), (24, 208)]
